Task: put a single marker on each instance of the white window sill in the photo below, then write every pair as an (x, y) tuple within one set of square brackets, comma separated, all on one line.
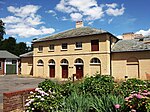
[(63, 49), (51, 51), (94, 63), (80, 48)]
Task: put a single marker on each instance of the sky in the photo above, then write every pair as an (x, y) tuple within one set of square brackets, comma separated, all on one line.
[(29, 19)]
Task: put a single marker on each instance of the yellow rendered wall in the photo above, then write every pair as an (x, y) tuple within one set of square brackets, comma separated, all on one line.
[(27, 66), (72, 54), (120, 67)]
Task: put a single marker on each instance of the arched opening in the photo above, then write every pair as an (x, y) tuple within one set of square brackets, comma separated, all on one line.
[(51, 64), (79, 68), (95, 66), (64, 65), (40, 65), (133, 68)]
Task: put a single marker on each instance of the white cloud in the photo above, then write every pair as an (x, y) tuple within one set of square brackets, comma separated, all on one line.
[(89, 9), (113, 5), (90, 23), (28, 44), (64, 18), (115, 12), (25, 22), (110, 20), (76, 16), (144, 32), (52, 12)]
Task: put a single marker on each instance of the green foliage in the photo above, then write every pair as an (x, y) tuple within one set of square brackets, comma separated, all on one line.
[(50, 85), (106, 103), (94, 94), (77, 103), (98, 85), (131, 85), (2, 30), (13, 47)]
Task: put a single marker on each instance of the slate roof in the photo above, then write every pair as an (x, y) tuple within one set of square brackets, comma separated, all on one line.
[(77, 32), (137, 44), (6, 54), (29, 54)]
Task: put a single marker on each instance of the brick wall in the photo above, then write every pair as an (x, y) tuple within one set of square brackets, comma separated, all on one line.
[(15, 100)]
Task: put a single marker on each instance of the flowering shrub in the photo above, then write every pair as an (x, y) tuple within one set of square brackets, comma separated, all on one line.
[(94, 94), (138, 102), (41, 101), (126, 87)]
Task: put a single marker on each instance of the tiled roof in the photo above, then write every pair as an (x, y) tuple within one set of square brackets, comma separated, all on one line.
[(138, 44), (6, 54), (29, 54), (77, 32)]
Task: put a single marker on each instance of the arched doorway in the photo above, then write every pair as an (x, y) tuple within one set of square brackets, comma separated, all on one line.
[(64, 65), (51, 68), (133, 68), (95, 66), (79, 68)]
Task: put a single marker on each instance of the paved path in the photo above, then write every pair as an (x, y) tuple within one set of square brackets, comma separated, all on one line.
[(10, 83)]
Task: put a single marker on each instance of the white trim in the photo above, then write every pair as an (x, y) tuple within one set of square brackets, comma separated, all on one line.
[(17, 67), (64, 64), (5, 66), (78, 64), (51, 64)]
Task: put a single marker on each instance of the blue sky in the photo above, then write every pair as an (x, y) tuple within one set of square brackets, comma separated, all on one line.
[(28, 19)]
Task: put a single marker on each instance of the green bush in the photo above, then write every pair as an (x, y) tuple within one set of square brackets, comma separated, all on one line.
[(97, 85), (131, 85)]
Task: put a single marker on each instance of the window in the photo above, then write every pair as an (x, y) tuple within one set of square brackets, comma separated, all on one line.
[(94, 45), (78, 45), (51, 47), (40, 62), (51, 62), (64, 62), (64, 46), (0, 65), (40, 48), (95, 61), (78, 61)]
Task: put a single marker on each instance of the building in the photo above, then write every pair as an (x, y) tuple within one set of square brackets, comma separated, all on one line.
[(84, 51), (8, 63)]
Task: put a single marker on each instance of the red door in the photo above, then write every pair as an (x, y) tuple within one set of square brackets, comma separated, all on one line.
[(79, 71), (52, 71), (64, 71)]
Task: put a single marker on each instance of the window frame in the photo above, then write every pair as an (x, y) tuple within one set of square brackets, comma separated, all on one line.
[(40, 49), (53, 47), (78, 45), (95, 45), (95, 61), (62, 46)]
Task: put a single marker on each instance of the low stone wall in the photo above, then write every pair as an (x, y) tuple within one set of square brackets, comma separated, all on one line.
[(13, 101)]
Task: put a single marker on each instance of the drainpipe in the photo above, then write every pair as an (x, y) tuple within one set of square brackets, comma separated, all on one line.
[(110, 55)]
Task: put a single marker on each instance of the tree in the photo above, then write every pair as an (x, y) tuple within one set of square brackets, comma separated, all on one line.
[(2, 30)]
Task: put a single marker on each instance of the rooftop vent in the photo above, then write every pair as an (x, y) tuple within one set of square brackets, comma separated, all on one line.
[(79, 24)]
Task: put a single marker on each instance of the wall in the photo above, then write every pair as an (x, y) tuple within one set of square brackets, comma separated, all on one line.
[(27, 65), (119, 64), (2, 69), (15, 100), (72, 54)]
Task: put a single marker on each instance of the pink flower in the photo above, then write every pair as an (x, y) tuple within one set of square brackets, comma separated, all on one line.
[(133, 110), (117, 106), (139, 96)]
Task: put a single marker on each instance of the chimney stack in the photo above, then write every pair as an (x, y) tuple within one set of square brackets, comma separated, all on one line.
[(79, 24)]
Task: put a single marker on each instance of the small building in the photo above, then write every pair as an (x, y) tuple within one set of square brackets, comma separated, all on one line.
[(131, 58), (26, 63), (8, 63)]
